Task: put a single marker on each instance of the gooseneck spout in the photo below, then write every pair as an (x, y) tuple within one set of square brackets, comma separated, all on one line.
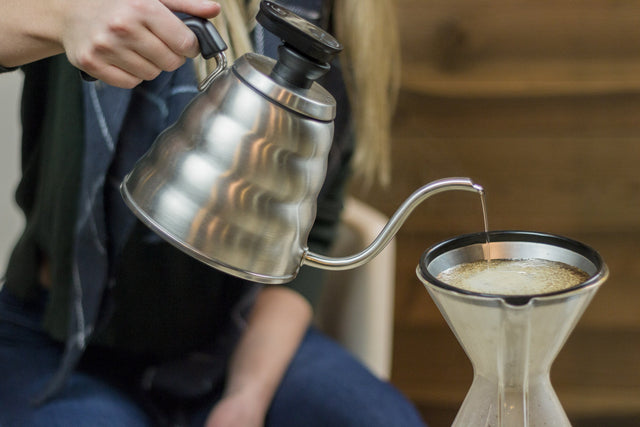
[(392, 227)]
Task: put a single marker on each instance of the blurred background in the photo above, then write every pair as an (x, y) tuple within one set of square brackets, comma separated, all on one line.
[(538, 101), (10, 220)]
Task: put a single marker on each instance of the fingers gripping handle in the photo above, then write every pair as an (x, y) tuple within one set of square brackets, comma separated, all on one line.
[(210, 41)]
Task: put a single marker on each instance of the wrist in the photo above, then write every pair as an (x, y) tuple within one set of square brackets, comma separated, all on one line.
[(254, 393), (31, 31)]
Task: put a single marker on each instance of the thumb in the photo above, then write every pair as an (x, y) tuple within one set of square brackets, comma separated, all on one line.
[(200, 8)]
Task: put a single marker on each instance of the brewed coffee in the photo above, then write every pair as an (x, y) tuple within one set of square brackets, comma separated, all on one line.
[(513, 277)]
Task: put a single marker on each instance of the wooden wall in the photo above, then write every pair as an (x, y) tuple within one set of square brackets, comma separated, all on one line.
[(538, 101)]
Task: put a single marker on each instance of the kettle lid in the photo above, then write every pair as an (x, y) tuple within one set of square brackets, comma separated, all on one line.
[(303, 57), (314, 102)]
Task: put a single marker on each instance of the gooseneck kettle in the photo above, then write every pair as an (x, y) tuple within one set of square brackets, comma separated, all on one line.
[(234, 182)]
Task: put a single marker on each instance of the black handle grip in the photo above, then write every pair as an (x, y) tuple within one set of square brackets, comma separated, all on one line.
[(211, 43), (86, 77)]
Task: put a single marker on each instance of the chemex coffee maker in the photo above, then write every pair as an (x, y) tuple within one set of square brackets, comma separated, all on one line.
[(511, 339), (234, 184)]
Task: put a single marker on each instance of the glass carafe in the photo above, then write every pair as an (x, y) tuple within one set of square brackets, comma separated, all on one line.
[(511, 340)]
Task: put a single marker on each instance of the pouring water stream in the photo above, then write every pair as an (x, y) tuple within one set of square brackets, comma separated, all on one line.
[(485, 218)]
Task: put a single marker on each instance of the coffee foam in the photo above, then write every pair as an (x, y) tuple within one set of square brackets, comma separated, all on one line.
[(513, 277)]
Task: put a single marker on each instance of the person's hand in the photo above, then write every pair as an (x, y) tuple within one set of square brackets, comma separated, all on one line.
[(123, 42), (236, 410), (275, 328)]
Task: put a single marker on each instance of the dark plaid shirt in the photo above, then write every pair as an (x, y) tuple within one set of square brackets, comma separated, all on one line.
[(114, 283)]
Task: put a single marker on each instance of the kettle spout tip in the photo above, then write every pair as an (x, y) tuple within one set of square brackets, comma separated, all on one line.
[(479, 188)]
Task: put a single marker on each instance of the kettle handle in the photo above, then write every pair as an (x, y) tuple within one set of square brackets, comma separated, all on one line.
[(389, 231), (211, 45)]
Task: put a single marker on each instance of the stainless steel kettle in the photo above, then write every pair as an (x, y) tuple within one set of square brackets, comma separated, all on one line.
[(234, 181)]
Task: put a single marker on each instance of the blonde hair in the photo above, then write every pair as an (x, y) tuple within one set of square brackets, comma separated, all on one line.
[(371, 69)]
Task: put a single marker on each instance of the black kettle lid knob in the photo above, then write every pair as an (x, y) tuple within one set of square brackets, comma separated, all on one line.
[(307, 49)]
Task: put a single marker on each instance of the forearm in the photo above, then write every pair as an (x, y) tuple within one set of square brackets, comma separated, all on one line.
[(275, 329), (120, 42), (29, 30)]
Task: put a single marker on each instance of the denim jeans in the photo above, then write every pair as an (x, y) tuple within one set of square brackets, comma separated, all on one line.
[(324, 386)]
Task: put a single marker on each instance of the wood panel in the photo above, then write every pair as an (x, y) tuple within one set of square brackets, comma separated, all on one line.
[(515, 47), (547, 163), (539, 102), (519, 28)]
